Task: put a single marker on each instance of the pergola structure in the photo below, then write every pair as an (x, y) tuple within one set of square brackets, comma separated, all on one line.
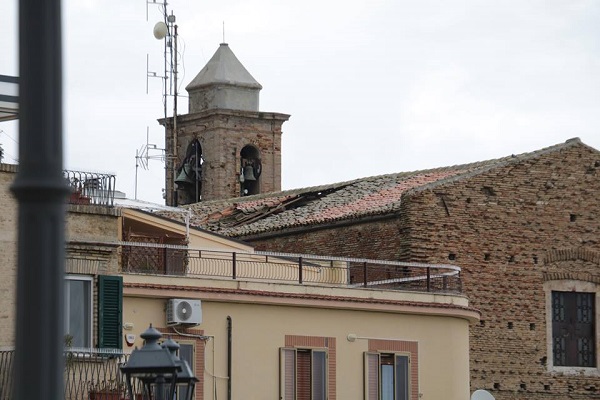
[(9, 97)]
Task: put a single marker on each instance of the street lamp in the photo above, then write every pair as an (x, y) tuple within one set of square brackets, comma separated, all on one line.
[(154, 366), (186, 381)]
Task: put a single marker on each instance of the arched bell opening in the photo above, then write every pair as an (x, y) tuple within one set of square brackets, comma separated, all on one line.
[(250, 170), (189, 175)]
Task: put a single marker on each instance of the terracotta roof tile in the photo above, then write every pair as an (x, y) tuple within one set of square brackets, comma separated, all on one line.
[(355, 199)]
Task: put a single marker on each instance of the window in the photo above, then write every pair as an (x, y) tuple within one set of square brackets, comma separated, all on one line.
[(573, 329), (303, 374), (387, 376), (78, 310), (186, 353)]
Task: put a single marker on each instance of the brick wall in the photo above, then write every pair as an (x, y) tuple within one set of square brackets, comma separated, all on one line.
[(83, 223), (8, 254), (503, 227)]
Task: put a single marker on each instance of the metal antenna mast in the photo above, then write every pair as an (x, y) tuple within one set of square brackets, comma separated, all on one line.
[(165, 30)]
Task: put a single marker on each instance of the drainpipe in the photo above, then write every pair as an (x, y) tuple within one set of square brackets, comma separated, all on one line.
[(229, 328)]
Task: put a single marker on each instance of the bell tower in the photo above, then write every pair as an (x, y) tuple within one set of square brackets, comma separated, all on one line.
[(224, 147)]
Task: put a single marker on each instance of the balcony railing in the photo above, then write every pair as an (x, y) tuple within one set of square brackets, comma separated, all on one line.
[(91, 187), (89, 374), (155, 259)]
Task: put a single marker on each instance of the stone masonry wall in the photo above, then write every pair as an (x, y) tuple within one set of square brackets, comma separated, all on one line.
[(502, 228), (8, 254), (83, 223), (222, 136)]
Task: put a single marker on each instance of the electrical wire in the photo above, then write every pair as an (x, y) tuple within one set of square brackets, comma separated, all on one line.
[(206, 338), (5, 154), (8, 136)]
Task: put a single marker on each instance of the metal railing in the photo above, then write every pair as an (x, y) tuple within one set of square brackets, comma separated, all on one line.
[(91, 187), (89, 374), (157, 259)]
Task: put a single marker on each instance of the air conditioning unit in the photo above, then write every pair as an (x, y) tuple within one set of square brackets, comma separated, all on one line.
[(184, 312)]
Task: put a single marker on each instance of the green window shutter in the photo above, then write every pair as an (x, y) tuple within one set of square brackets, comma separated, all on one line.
[(110, 309)]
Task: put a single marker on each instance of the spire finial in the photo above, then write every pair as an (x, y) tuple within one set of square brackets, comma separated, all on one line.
[(224, 32)]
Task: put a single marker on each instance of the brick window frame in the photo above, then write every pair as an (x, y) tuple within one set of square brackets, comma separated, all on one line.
[(571, 285), (401, 347), (318, 342)]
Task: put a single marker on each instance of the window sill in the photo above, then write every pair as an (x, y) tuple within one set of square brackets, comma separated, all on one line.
[(584, 371)]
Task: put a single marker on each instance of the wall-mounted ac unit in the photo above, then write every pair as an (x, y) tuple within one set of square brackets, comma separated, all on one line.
[(184, 312)]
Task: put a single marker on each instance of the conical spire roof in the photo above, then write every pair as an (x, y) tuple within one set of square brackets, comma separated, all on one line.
[(223, 68)]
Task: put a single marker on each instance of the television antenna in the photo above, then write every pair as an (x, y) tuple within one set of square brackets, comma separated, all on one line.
[(165, 30), (146, 152)]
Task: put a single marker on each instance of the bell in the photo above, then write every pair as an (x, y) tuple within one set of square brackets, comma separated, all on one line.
[(184, 177), (249, 173)]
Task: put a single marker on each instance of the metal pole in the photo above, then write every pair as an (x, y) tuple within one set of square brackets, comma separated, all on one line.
[(428, 279), (174, 75), (229, 356), (234, 266), (40, 189)]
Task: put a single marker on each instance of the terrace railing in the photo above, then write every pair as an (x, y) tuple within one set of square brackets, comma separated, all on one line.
[(156, 259), (89, 374), (91, 187)]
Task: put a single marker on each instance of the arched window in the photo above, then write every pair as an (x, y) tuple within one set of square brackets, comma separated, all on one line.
[(250, 170), (189, 175)]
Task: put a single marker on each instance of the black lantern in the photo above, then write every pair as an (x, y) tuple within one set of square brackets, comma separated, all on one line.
[(153, 365), (186, 381)]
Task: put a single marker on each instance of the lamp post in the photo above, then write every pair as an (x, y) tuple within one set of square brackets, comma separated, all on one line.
[(186, 381), (154, 366)]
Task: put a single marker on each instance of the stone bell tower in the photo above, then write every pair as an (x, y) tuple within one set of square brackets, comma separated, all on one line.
[(224, 147)]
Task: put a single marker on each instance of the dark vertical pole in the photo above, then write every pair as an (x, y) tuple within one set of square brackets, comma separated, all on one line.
[(40, 190), (299, 269), (365, 274), (229, 356), (234, 266), (428, 279)]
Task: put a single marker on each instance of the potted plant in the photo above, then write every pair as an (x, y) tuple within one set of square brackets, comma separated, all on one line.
[(107, 390)]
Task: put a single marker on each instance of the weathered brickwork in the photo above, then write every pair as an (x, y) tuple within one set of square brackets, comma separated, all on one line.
[(86, 227), (8, 254), (511, 229), (222, 135)]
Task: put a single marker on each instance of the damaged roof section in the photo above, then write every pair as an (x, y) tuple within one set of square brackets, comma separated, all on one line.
[(302, 207), (360, 198)]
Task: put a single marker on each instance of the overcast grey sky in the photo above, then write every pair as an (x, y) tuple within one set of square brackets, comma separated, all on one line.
[(373, 86)]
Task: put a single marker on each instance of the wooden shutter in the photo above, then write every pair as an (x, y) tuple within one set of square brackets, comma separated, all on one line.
[(303, 374), (110, 309), (371, 379), (287, 370)]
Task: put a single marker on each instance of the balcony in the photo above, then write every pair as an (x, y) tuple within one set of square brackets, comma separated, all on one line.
[(157, 259), (91, 188), (89, 374)]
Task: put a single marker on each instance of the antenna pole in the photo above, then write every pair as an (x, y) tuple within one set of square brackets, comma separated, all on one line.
[(136, 172), (174, 114)]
